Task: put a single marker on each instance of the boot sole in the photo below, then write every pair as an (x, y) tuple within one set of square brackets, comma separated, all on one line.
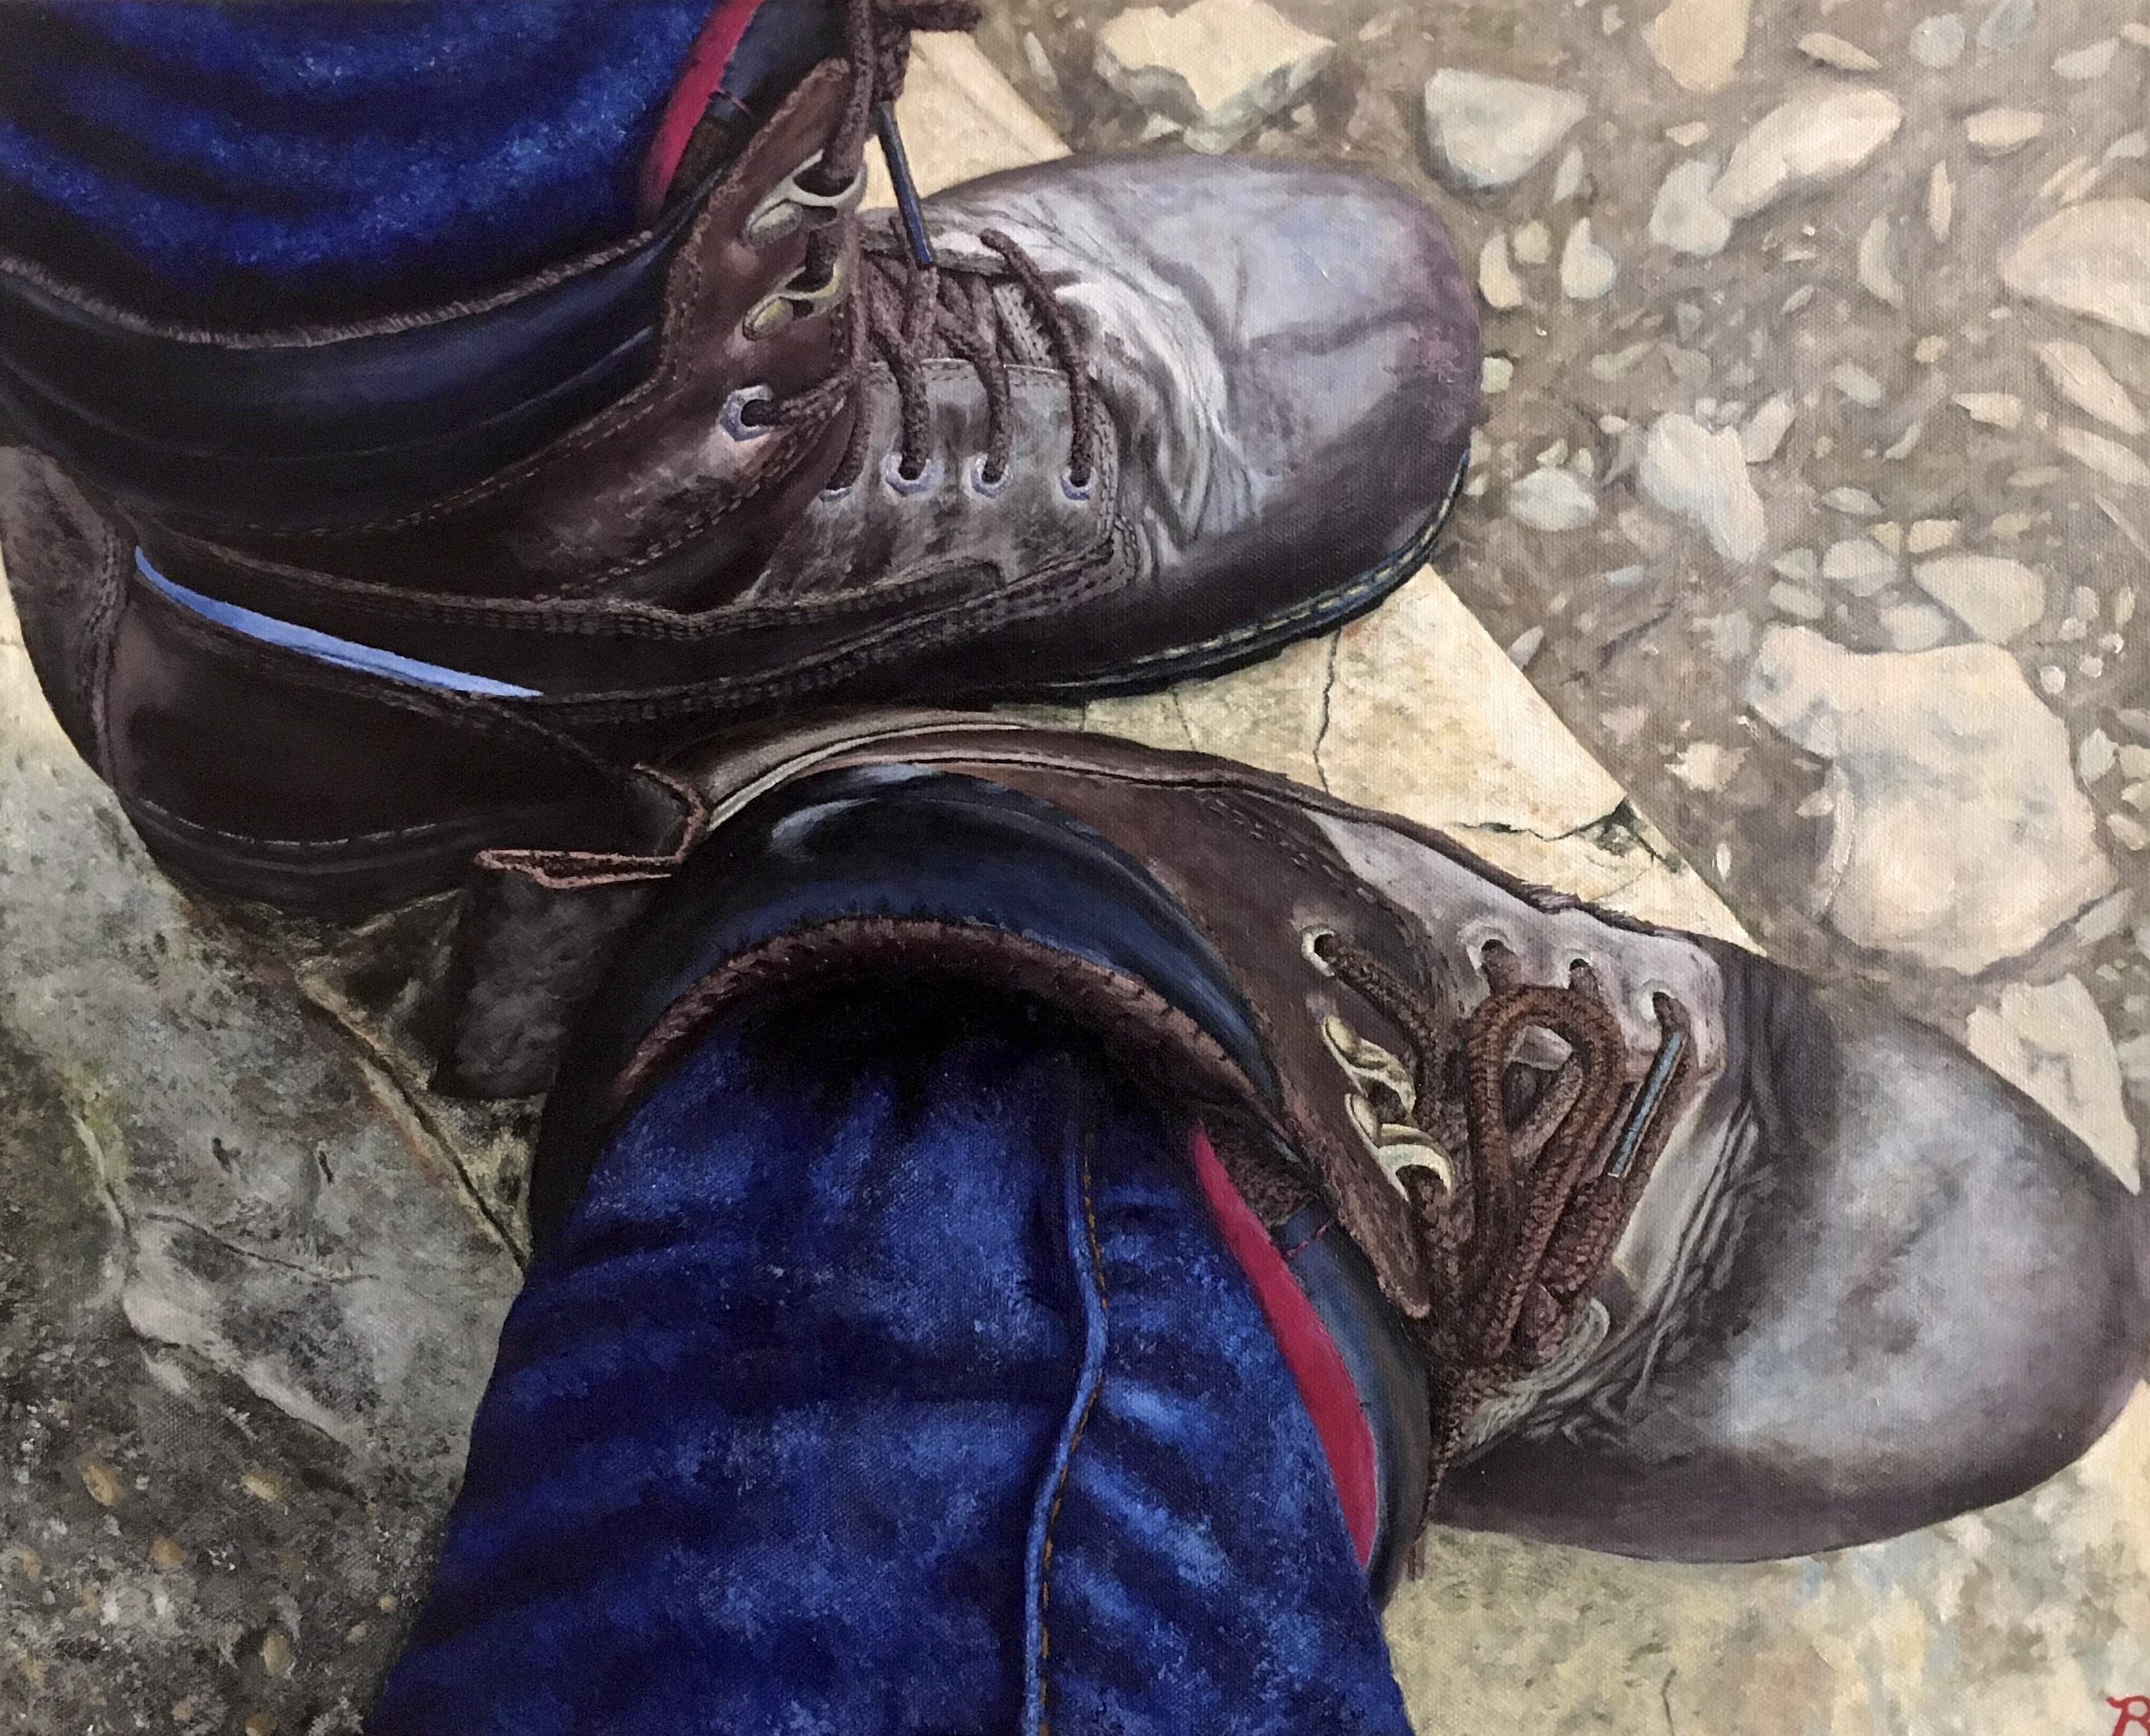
[(1257, 641)]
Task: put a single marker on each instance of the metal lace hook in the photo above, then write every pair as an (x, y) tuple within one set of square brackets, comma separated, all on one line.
[(906, 189)]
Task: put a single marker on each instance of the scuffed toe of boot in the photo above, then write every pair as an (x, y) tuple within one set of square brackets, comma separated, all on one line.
[(1902, 1292), (1290, 355)]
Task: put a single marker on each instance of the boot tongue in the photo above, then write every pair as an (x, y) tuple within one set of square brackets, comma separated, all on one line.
[(749, 56), (1024, 342)]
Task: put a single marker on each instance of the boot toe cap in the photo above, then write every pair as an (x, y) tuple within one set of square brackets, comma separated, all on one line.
[(1916, 1295)]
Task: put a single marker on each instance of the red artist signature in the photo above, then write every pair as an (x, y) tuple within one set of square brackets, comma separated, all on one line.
[(2134, 1713)]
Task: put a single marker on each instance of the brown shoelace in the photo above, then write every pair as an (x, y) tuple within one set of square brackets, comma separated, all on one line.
[(907, 307), (1516, 1249)]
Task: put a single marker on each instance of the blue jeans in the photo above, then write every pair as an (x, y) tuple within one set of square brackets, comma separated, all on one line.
[(892, 1376), (290, 164)]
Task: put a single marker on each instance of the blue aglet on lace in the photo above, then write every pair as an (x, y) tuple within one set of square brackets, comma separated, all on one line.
[(1647, 1102), (906, 189)]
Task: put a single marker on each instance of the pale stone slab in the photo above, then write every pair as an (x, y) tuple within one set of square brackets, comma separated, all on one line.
[(1700, 42), (1490, 132), (1960, 837), (1417, 710), (2090, 259), (1219, 67), (284, 1211), (961, 118), (1818, 135)]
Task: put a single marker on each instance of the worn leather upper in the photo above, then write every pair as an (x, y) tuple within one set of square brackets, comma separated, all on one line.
[(1278, 369), (1867, 1285)]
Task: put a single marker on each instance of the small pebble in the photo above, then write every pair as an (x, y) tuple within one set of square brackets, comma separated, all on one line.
[(1568, 178), (104, 1483), (1941, 203), (1497, 282), (1859, 385), (1995, 409), (1796, 601), (165, 1553), (1852, 502), (277, 1655), (1527, 645), (1939, 42), (2081, 65), (1497, 373), (1587, 270), (1877, 268), (1819, 46), (1859, 567), (1914, 626), (262, 1485), (262, 1723), (1929, 351), (1532, 243), (1552, 499), (1998, 131), (1929, 534), (2007, 24)]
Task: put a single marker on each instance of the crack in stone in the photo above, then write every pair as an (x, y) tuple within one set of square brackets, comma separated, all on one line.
[(1321, 730), (405, 1108), (1179, 712), (1616, 832), (240, 1248)]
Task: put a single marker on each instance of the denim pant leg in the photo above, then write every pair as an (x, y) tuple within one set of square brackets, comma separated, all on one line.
[(901, 1384)]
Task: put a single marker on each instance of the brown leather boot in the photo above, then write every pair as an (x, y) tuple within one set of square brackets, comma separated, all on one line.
[(337, 607), (1703, 1259)]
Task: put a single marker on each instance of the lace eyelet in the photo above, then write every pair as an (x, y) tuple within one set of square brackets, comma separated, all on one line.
[(1645, 995), (732, 418), (925, 482), (841, 491), (1310, 943), (789, 204), (1076, 491), (1482, 938), (975, 478)]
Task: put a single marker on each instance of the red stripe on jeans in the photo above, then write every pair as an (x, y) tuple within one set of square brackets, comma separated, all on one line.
[(1317, 1366), (700, 74)]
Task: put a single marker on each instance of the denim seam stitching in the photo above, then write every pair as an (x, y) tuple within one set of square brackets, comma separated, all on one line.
[(1089, 1382)]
